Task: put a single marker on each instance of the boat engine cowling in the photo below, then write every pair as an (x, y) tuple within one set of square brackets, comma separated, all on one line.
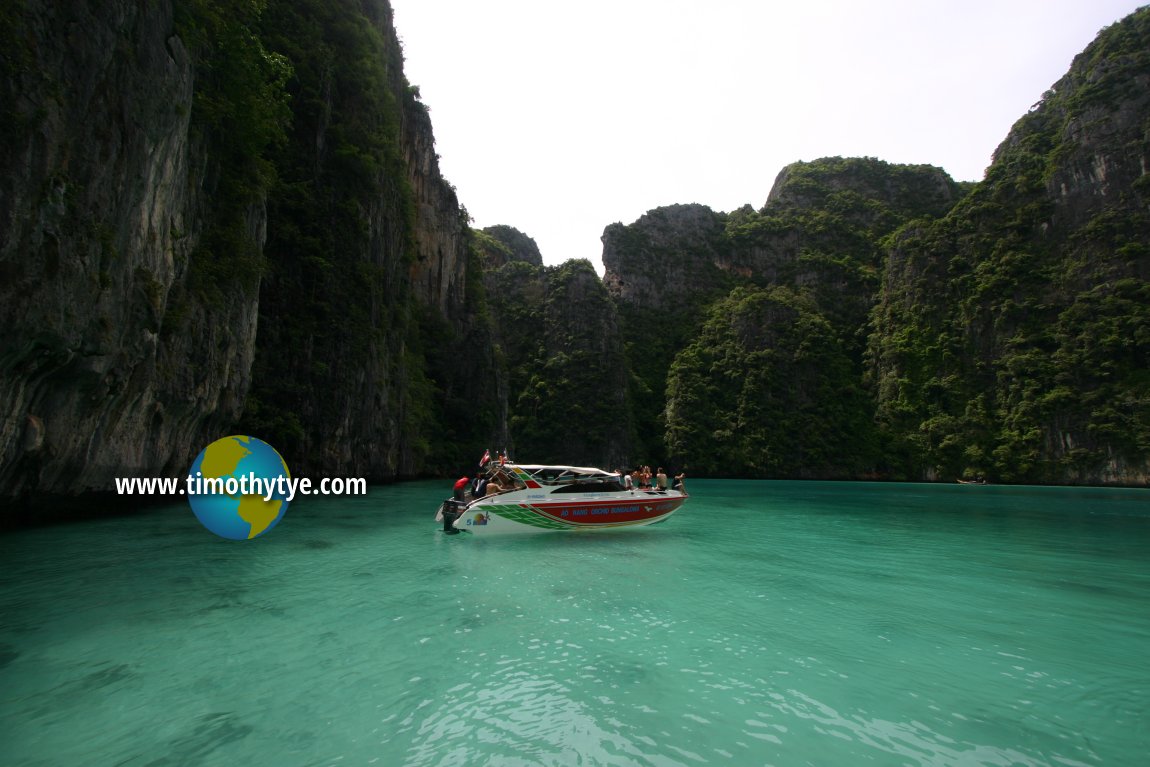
[(451, 510)]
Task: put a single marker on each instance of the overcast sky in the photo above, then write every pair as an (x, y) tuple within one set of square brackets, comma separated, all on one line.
[(560, 118)]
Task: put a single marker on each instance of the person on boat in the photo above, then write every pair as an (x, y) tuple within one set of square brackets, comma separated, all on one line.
[(479, 486), (493, 487), (461, 488), (678, 485), (661, 480), (628, 483), (453, 509)]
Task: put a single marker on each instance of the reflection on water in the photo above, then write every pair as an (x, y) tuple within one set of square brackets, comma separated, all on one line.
[(766, 623)]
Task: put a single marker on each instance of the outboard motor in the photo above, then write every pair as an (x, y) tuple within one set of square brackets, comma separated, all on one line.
[(452, 510)]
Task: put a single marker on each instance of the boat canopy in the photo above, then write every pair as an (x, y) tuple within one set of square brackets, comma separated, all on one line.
[(558, 475)]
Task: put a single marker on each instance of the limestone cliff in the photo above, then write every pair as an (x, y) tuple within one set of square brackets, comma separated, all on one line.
[(107, 368), (567, 371), (815, 212), (501, 244), (1012, 337), (564, 373), (998, 329), (819, 233), (440, 236), (667, 256), (368, 288), (219, 217)]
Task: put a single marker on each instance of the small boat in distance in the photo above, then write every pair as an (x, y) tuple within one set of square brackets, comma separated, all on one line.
[(540, 498)]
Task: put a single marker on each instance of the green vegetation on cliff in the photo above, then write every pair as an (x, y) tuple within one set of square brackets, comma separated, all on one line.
[(501, 243), (327, 306), (306, 116), (998, 329), (766, 389), (1012, 337), (820, 235), (241, 112), (566, 366)]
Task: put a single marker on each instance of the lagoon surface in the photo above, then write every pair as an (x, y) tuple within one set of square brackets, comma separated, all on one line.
[(765, 623)]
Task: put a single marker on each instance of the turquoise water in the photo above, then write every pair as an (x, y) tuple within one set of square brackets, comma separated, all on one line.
[(766, 623)]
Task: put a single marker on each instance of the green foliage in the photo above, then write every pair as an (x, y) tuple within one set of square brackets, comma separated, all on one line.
[(16, 57), (768, 391), (1101, 367), (460, 416), (338, 324), (1010, 337), (822, 233), (240, 103), (508, 243), (652, 338), (241, 111), (566, 370), (490, 249)]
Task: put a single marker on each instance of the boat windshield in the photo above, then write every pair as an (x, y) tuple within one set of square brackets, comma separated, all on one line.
[(609, 485)]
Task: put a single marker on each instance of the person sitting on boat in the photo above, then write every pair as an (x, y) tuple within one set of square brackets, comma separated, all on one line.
[(628, 483), (493, 487), (678, 485), (661, 480)]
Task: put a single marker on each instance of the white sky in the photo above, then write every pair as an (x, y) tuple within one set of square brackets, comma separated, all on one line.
[(559, 118)]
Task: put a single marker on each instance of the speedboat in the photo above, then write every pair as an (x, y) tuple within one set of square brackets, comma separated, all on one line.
[(535, 498)]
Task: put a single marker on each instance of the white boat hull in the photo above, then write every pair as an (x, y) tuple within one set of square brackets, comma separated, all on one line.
[(526, 512)]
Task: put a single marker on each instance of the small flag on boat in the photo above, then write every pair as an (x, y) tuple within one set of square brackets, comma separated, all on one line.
[(486, 457)]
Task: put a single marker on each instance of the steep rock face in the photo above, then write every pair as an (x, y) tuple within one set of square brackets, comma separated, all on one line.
[(767, 390), (666, 256), (502, 244), (819, 233), (662, 271), (370, 282), (564, 393), (1012, 337), (216, 218), (909, 190), (439, 274), (102, 200), (567, 369), (822, 224), (816, 212)]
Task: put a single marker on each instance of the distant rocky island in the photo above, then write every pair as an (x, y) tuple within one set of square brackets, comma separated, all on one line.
[(223, 218)]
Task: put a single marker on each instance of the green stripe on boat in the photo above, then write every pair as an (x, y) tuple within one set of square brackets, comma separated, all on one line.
[(528, 517)]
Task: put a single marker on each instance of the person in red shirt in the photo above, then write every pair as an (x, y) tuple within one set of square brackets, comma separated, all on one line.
[(452, 510), (461, 488)]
